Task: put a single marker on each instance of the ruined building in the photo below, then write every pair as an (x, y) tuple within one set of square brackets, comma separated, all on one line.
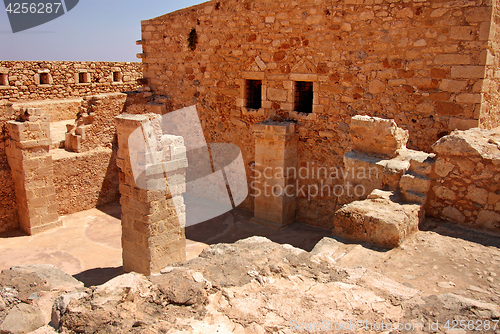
[(323, 87), (432, 66)]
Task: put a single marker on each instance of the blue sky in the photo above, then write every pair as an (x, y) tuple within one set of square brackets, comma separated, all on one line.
[(95, 30)]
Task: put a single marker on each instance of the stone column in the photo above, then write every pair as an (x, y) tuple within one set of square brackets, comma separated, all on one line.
[(276, 173), (28, 156), (152, 181)]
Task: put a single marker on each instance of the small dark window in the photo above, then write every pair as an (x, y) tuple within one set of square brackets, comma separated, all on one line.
[(44, 79), (4, 80), (82, 77), (303, 96), (117, 76), (253, 94)]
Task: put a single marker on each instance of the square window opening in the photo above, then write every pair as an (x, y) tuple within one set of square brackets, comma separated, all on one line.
[(82, 77), (4, 80), (44, 79), (117, 76), (304, 97), (253, 94)]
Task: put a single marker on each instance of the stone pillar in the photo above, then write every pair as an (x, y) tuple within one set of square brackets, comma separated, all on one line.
[(276, 173), (152, 181), (28, 156)]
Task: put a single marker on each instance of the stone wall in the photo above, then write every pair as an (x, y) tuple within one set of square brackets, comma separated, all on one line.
[(94, 126), (85, 180), (82, 180), (9, 219), (490, 109), (41, 80), (420, 63), (465, 186)]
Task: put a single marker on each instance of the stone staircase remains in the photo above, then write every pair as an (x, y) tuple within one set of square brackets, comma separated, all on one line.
[(395, 193)]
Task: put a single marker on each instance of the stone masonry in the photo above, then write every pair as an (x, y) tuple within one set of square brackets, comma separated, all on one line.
[(153, 217), (391, 204), (465, 184), (41, 80), (432, 66), (276, 166), (32, 171)]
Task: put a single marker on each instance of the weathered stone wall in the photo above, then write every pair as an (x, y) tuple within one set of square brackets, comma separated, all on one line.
[(41, 80), (465, 187), (9, 219), (420, 63), (82, 180), (95, 125), (58, 110), (490, 109), (85, 180)]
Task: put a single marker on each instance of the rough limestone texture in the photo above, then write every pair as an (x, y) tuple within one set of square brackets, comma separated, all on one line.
[(380, 160), (153, 212), (41, 80), (85, 180), (465, 185), (32, 171), (422, 63), (258, 286), (94, 126), (380, 220), (374, 135), (276, 163)]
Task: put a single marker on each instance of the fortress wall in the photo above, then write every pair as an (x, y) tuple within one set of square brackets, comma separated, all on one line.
[(42, 80)]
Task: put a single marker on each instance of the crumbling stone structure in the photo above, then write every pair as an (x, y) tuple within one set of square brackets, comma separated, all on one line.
[(429, 65), (465, 185), (86, 176), (42, 80), (458, 183)]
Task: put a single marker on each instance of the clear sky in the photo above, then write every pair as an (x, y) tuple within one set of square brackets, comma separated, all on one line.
[(95, 30)]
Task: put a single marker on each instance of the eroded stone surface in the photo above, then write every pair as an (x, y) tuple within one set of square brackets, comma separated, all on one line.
[(378, 136), (379, 220)]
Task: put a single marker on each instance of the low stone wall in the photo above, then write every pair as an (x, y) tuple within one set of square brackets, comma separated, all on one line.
[(465, 186), (41, 80), (85, 180), (58, 110)]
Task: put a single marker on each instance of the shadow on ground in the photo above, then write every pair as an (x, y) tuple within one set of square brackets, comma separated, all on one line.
[(236, 225), (449, 229), (98, 276)]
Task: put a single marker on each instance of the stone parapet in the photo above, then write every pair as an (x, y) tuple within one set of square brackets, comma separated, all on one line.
[(42, 80)]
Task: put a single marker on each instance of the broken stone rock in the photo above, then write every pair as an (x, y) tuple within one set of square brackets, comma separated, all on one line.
[(380, 221), (377, 135), (22, 318)]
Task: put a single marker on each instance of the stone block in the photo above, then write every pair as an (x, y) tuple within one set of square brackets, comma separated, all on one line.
[(474, 72), (381, 221), (377, 136)]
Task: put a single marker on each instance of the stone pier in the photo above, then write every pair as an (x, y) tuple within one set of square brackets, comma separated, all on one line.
[(275, 178), (28, 156), (152, 181)]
